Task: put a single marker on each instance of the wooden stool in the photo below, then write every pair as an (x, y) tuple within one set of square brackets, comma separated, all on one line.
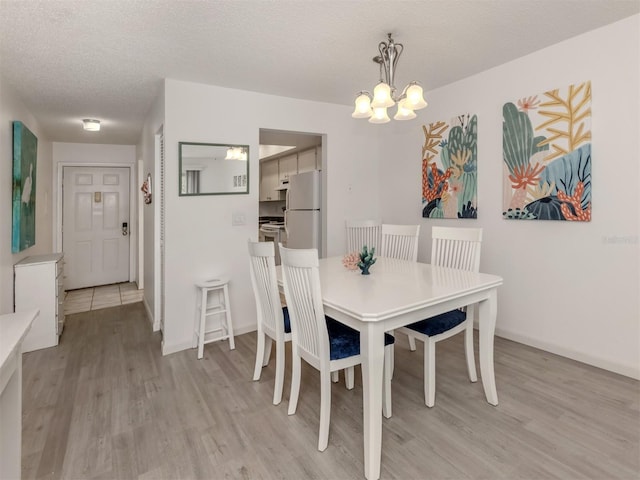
[(219, 307)]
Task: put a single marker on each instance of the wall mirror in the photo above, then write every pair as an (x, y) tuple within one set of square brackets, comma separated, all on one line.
[(213, 169)]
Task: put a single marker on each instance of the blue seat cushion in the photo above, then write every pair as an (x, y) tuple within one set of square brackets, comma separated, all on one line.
[(344, 341), (439, 324), (287, 320)]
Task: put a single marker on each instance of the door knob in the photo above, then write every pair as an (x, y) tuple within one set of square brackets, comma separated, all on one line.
[(125, 227)]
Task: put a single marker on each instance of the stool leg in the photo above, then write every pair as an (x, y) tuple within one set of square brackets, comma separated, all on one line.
[(232, 342), (203, 319)]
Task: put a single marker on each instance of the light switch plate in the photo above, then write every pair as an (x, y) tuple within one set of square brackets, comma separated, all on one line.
[(238, 218)]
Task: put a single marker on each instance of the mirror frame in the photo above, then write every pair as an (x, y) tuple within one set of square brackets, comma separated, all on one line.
[(241, 180)]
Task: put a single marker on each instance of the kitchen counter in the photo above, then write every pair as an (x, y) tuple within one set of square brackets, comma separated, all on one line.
[(274, 232), (13, 330), (270, 219)]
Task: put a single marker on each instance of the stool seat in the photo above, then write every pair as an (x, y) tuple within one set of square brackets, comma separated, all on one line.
[(212, 283), (219, 307)]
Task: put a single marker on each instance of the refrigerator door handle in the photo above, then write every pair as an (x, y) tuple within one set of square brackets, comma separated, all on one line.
[(286, 227)]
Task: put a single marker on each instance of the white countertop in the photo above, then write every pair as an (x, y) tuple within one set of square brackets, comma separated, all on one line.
[(46, 258), (13, 329)]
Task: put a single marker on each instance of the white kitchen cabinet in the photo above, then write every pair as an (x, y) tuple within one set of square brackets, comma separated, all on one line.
[(38, 283), (307, 161), (14, 327), (287, 166), (269, 181)]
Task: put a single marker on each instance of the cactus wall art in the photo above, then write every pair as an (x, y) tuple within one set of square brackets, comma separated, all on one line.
[(546, 150), (449, 168)]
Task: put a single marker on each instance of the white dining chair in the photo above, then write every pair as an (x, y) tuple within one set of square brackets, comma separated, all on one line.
[(361, 233), (273, 318), (322, 342), (454, 248), (400, 241)]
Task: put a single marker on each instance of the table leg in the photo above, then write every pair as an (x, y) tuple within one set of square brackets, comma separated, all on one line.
[(372, 351), (487, 324)]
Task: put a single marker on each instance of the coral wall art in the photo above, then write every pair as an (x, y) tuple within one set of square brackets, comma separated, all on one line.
[(25, 155), (449, 168), (546, 149)]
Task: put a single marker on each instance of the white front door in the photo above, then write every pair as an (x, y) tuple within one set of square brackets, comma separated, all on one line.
[(95, 240)]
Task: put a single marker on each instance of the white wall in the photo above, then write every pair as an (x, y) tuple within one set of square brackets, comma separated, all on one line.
[(570, 288), (146, 150), (12, 108), (200, 240)]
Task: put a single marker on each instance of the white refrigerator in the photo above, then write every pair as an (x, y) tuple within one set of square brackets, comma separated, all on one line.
[(302, 220)]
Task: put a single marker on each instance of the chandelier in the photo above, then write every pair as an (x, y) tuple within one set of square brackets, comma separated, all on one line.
[(236, 153), (385, 94)]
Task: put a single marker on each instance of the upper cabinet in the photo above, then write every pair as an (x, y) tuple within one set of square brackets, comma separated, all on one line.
[(307, 161), (288, 166), (269, 181), (276, 171)]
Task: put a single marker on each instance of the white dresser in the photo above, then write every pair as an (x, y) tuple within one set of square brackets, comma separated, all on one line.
[(39, 284)]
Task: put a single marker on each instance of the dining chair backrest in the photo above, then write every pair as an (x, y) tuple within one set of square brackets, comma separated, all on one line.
[(301, 278), (456, 247), (265, 285), (400, 241), (363, 232)]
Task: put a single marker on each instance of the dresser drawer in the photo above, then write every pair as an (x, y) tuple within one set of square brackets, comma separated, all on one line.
[(38, 283)]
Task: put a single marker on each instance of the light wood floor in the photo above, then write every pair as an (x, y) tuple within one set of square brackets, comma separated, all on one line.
[(105, 404)]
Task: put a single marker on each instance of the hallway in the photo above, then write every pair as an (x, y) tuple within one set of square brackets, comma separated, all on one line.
[(95, 298)]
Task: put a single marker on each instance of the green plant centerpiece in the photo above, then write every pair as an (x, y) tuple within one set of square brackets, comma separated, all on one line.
[(366, 259)]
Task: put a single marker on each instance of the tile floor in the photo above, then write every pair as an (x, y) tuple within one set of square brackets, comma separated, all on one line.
[(85, 299)]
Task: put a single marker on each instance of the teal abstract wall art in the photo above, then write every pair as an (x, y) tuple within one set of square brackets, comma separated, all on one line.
[(450, 168), (546, 150), (25, 155)]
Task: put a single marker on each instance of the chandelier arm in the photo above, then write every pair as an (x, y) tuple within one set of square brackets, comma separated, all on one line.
[(384, 61), (397, 51), (389, 55)]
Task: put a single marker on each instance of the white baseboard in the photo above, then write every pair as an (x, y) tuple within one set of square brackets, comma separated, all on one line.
[(149, 315), (245, 329), (175, 347), (632, 371), (178, 347)]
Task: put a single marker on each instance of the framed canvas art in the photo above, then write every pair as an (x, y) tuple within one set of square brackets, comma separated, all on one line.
[(450, 168), (25, 155), (546, 150)]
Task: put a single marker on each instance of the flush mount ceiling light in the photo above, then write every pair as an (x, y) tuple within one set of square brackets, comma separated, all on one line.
[(374, 107), (91, 125), (236, 153)]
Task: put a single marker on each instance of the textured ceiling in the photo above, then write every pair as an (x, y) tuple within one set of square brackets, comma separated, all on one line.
[(73, 59)]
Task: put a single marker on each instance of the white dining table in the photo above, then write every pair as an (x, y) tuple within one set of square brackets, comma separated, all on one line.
[(397, 293)]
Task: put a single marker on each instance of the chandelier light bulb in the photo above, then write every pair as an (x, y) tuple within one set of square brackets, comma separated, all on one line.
[(379, 116), (382, 96), (403, 112), (363, 106), (415, 99)]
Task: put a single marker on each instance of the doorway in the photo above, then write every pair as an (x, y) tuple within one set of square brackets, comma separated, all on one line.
[(288, 206), (96, 225)]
